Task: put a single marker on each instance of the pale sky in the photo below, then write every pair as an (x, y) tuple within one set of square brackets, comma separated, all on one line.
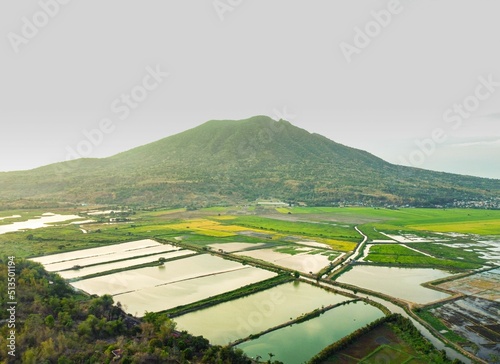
[(382, 76)]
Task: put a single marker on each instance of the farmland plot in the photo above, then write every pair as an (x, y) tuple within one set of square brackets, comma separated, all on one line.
[(106, 267), (309, 260), (167, 296), (237, 319), (96, 252), (141, 278)]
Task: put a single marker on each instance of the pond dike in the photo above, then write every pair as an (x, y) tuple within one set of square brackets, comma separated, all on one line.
[(305, 317)]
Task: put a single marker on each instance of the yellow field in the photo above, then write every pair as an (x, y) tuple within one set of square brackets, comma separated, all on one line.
[(485, 227), (216, 229), (339, 245), (224, 217), (211, 228)]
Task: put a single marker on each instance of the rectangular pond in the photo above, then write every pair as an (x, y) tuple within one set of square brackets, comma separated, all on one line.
[(403, 283), (95, 252), (170, 272), (298, 343), (118, 255), (106, 267), (164, 297), (237, 319), (302, 262)]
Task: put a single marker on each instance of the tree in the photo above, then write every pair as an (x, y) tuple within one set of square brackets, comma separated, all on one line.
[(49, 321), (296, 274)]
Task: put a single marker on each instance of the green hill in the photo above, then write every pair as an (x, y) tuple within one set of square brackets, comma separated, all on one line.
[(224, 161)]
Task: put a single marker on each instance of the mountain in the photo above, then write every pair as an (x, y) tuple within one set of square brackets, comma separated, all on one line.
[(224, 161)]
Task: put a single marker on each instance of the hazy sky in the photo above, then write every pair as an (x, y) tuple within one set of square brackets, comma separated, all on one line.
[(413, 82)]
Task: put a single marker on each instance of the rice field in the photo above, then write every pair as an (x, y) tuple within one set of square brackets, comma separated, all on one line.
[(123, 264), (102, 254), (167, 296), (304, 261), (141, 278), (209, 227)]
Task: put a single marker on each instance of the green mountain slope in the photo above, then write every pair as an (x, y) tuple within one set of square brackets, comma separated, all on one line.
[(225, 161)]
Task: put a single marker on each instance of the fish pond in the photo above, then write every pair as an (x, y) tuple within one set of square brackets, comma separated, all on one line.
[(242, 317), (403, 283), (298, 343)]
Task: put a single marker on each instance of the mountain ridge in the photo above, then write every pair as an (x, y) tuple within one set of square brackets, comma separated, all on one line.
[(227, 161)]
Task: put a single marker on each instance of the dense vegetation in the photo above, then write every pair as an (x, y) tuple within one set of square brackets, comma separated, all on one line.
[(56, 325), (393, 254), (223, 162)]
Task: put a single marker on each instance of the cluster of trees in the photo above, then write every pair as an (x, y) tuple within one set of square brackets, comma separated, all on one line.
[(55, 324)]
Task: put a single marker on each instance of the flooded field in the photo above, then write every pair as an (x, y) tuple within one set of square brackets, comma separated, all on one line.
[(141, 278), (303, 262), (237, 319), (164, 297), (403, 283), (40, 222), (9, 217), (112, 257), (484, 285), (380, 345), (298, 343), (486, 249), (106, 267), (477, 320), (95, 252)]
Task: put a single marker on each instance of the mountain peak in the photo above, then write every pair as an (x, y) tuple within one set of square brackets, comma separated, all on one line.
[(234, 160)]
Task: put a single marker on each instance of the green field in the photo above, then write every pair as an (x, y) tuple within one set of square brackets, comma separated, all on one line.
[(400, 255), (470, 221), (439, 326), (295, 227), (330, 225)]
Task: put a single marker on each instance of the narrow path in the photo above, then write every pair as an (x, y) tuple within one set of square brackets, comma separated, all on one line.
[(354, 254), (418, 251)]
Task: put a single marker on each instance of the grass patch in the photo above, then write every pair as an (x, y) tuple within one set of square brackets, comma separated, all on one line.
[(446, 252), (484, 227), (299, 228), (401, 255), (440, 326)]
